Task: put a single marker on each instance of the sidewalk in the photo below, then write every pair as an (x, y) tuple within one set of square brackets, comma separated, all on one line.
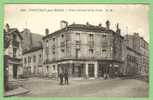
[(17, 91)]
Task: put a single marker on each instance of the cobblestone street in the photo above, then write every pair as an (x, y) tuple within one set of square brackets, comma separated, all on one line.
[(86, 88)]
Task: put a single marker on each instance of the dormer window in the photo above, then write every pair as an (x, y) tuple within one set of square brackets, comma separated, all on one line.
[(91, 36), (53, 39)]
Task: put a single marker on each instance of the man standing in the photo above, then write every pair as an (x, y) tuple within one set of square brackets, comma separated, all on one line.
[(66, 77), (61, 78)]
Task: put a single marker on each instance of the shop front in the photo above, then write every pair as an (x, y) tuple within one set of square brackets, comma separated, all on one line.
[(108, 69), (78, 68)]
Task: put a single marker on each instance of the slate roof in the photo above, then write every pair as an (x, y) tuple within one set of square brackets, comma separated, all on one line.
[(33, 50), (82, 27), (12, 30)]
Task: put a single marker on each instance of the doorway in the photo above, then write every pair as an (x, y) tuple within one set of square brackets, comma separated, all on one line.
[(91, 70), (15, 71)]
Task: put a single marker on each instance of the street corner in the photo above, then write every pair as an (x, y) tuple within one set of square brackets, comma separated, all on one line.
[(17, 91)]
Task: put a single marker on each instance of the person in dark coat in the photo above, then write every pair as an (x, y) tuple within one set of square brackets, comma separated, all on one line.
[(61, 78), (66, 77)]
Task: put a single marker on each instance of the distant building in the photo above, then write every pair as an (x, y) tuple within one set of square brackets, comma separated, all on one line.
[(33, 62), (144, 48), (136, 55), (83, 50), (30, 39), (13, 53)]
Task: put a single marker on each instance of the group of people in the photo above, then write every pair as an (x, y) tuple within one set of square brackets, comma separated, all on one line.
[(64, 77)]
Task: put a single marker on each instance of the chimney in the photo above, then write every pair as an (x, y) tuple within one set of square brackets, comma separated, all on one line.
[(7, 27), (46, 31), (73, 22), (63, 24), (118, 29), (136, 34), (87, 23), (31, 40), (100, 25), (107, 24)]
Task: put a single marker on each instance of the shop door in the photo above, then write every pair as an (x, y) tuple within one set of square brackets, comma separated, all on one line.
[(80, 70), (100, 70), (91, 70)]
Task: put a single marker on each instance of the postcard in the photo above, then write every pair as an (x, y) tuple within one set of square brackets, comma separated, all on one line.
[(76, 50)]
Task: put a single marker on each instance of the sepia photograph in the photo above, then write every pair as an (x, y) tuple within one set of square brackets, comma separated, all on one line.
[(76, 50)]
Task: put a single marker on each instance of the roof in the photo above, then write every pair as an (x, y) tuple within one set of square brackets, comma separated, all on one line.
[(32, 50), (12, 30), (82, 27), (128, 48), (31, 39)]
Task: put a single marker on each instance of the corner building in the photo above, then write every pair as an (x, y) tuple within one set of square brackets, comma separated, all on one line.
[(13, 53), (83, 50)]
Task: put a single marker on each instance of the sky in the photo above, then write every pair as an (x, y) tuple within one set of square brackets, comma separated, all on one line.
[(38, 17)]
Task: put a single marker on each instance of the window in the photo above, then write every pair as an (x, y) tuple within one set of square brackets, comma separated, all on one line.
[(34, 58), (77, 52), (39, 55), (91, 51), (53, 49), (62, 35), (77, 36), (104, 35), (91, 40), (14, 52), (62, 50), (14, 36), (53, 52), (47, 68), (53, 39), (25, 60), (53, 67), (104, 44), (29, 59), (103, 50), (62, 44), (47, 50), (91, 36)]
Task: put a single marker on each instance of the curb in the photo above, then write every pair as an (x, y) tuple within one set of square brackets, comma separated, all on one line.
[(18, 91)]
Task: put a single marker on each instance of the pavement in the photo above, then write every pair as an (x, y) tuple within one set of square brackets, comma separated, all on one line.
[(130, 88), (16, 88), (16, 91)]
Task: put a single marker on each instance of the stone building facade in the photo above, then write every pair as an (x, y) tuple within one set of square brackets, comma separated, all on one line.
[(33, 62), (13, 53), (136, 54), (144, 48), (83, 50)]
